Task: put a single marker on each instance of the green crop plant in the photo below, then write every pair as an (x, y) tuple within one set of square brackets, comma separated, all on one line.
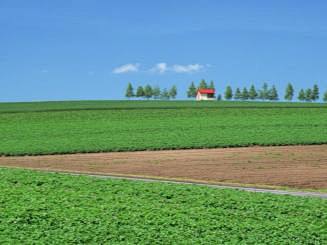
[(72, 128), (42, 208)]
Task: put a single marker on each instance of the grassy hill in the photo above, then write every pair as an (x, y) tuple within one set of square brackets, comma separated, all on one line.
[(95, 126), (144, 104), (62, 209)]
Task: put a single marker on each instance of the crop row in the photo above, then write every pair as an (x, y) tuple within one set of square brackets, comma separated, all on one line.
[(139, 104), (129, 130), (57, 208)]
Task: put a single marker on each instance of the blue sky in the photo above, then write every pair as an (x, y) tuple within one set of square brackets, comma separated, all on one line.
[(78, 49)]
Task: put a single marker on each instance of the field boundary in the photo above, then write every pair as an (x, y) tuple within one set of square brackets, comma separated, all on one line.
[(162, 108), (158, 149), (294, 168), (232, 186), (218, 186)]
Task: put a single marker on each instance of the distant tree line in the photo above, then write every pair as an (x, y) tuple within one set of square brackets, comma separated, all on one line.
[(271, 93), (265, 93), (310, 94), (149, 92), (192, 90)]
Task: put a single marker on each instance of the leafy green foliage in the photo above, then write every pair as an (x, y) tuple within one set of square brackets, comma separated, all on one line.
[(191, 92), (238, 94), (148, 91), (129, 91), (156, 92), (289, 93), (228, 93), (173, 92), (203, 84), (308, 94), (264, 92), (137, 125), (211, 85), (165, 94), (253, 95), (139, 91), (315, 92), (301, 96), (61, 209), (245, 94), (273, 94)]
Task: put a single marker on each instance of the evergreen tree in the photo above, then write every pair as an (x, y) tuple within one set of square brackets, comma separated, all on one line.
[(148, 91), (164, 94), (191, 92), (228, 93), (315, 93), (156, 92), (140, 92), (203, 84), (173, 92), (264, 93), (212, 85), (129, 91), (219, 97), (308, 94), (253, 93), (301, 96), (273, 94), (325, 96), (245, 94), (289, 93), (238, 94)]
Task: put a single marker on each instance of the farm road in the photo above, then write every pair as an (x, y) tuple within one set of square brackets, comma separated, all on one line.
[(300, 167), (250, 189)]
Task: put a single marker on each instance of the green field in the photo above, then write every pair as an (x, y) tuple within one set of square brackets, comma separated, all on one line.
[(56, 208), (143, 104), (96, 126)]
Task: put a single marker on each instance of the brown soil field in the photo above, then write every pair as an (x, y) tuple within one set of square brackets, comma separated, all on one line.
[(287, 166)]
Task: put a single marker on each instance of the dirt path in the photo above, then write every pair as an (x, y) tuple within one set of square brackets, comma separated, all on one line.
[(290, 166), (250, 189)]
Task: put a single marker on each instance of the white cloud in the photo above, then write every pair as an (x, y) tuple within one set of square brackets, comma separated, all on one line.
[(160, 67), (126, 68), (187, 68), (163, 67)]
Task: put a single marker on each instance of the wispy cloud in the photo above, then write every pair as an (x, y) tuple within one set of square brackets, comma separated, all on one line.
[(126, 68), (160, 68), (187, 68), (163, 67)]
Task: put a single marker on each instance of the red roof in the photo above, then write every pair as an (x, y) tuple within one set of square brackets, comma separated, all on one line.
[(206, 91)]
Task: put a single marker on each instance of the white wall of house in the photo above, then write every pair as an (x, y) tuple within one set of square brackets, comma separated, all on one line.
[(203, 97)]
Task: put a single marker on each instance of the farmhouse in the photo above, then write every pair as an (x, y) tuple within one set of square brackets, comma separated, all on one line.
[(205, 94)]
